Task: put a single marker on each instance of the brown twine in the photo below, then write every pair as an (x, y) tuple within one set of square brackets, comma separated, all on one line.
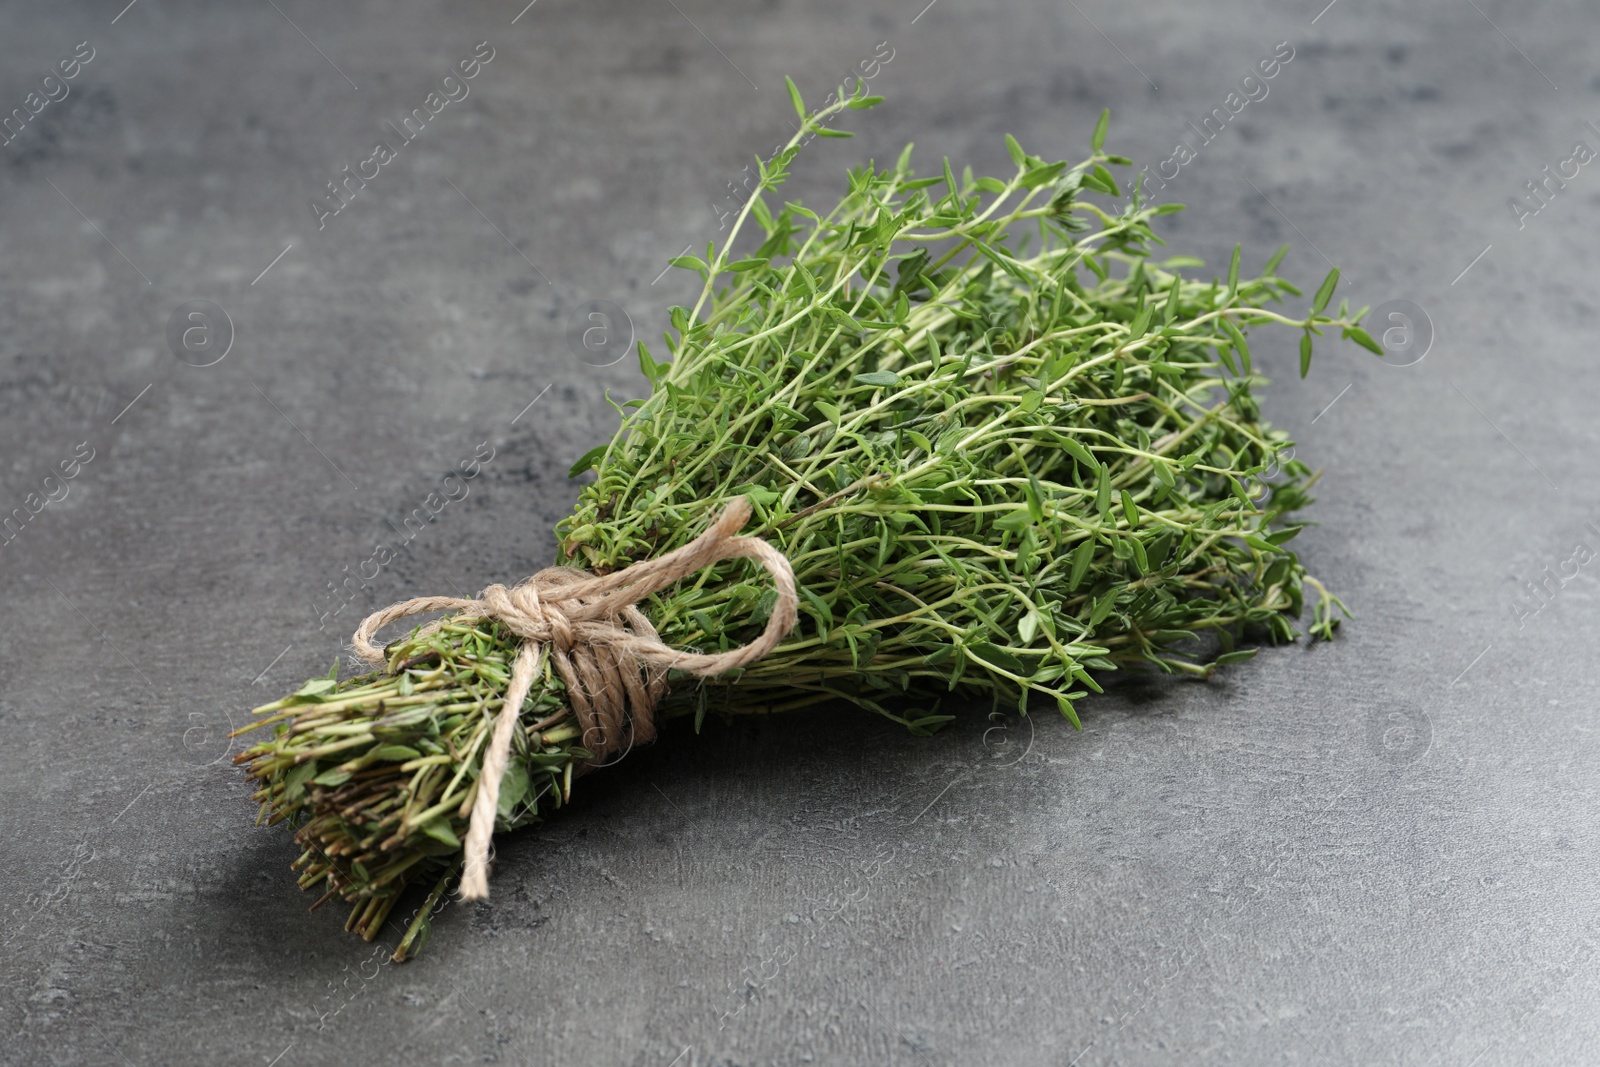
[(610, 657)]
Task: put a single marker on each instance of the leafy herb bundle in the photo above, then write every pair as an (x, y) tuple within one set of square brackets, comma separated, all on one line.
[(994, 471)]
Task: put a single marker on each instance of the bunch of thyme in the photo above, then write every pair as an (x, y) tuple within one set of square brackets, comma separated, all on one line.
[(995, 471)]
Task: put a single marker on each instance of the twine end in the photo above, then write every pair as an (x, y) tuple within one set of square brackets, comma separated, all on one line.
[(474, 883), (733, 517)]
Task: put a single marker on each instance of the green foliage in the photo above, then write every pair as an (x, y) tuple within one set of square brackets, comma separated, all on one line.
[(994, 471)]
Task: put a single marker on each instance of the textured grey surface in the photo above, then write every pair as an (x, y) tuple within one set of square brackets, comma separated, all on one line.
[(1379, 850)]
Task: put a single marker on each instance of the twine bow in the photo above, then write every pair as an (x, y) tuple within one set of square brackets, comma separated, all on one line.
[(611, 659)]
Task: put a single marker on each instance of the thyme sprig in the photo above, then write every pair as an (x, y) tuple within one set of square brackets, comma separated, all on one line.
[(995, 471)]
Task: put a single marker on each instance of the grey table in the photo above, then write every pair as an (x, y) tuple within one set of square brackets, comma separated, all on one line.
[(1379, 850)]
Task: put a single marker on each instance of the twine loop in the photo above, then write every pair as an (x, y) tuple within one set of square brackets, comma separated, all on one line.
[(612, 661)]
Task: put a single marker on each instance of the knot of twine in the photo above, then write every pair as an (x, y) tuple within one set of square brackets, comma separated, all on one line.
[(611, 659)]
